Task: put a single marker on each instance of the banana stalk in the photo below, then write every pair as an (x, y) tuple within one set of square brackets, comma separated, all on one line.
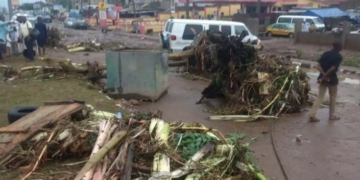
[(161, 167)]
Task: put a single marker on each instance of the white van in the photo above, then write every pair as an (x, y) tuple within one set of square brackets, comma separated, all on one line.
[(319, 24), (179, 33)]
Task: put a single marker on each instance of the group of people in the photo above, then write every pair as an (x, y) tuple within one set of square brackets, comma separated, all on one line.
[(20, 36)]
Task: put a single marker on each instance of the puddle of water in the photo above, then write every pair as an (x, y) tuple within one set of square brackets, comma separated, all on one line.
[(351, 81)]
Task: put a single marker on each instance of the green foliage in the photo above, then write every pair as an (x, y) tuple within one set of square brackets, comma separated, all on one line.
[(191, 143), (234, 138), (351, 62), (26, 6)]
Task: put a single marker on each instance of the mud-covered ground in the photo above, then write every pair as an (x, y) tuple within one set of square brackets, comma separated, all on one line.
[(286, 46), (328, 151)]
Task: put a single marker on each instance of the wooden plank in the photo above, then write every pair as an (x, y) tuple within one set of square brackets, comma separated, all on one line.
[(13, 130), (38, 119)]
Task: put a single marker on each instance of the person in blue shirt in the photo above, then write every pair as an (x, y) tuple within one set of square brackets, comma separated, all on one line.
[(41, 39), (4, 30)]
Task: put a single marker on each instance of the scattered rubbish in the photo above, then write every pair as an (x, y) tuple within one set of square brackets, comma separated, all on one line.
[(140, 146), (57, 68), (351, 81), (298, 138)]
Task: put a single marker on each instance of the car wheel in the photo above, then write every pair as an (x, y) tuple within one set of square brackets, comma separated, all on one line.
[(18, 112), (269, 34), (291, 35)]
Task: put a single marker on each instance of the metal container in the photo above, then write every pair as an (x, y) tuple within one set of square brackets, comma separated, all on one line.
[(137, 74)]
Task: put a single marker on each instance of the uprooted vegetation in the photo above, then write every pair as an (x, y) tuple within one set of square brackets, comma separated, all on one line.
[(140, 146), (254, 85)]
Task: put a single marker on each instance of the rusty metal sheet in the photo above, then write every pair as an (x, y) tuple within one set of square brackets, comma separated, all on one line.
[(33, 122)]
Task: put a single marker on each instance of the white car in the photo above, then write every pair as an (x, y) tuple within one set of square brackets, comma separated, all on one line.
[(180, 33), (355, 32)]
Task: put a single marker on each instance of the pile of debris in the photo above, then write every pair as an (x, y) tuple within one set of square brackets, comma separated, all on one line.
[(138, 146), (94, 46), (253, 84), (93, 72), (53, 37)]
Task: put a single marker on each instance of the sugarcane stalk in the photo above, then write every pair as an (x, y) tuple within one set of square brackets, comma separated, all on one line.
[(101, 153), (259, 176), (76, 49), (104, 127)]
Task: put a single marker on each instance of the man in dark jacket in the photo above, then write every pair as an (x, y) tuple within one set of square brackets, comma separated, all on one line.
[(328, 65)]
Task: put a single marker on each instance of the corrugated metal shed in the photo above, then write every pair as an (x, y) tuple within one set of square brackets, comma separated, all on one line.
[(325, 13)]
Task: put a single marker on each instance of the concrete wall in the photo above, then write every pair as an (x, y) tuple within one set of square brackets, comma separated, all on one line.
[(349, 41), (352, 41)]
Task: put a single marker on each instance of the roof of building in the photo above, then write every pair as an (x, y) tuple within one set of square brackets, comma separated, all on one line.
[(325, 12)]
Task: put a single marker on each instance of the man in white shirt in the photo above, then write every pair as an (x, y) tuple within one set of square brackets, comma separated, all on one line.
[(25, 28)]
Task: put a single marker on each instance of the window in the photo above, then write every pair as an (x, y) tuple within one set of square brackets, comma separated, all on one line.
[(309, 21), (276, 26), (284, 20), (191, 30), (171, 26), (239, 30), (226, 29), (297, 19), (213, 27), (318, 21), (167, 26)]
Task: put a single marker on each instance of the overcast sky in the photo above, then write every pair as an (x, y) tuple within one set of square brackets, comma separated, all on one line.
[(28, 1)]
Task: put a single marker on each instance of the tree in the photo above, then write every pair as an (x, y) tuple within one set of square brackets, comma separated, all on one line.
[(27, 6), (3, 10)]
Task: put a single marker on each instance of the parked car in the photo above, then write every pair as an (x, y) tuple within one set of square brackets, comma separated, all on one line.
[(180, 33), (290, 19), (32, 19), (355, 32), (46, 18), (76, 23), (281, 29)]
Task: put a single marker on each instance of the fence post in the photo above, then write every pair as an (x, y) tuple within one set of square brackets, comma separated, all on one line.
[(297, 30), (267, 22), (346, 30), (256, 26), (249, 24)]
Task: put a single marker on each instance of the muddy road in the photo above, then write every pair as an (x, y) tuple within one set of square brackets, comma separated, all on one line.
[(328, 150)]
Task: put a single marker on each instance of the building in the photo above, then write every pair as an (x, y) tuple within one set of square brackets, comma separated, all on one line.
[(15, 4)]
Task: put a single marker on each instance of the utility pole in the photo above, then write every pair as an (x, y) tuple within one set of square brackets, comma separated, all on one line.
[(10, 9), (258, 6), (187, 5)]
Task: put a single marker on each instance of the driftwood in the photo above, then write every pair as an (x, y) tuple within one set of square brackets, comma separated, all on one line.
[(129, 161), (181, 55)]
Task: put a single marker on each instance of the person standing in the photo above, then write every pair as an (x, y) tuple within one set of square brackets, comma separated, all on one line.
[(25, 28), (14, 36), (30, 42), (4, 30), (328, 65), (41, 39)]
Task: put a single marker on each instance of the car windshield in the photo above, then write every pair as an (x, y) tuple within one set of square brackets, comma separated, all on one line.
[(318, 21), (290, 26)]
